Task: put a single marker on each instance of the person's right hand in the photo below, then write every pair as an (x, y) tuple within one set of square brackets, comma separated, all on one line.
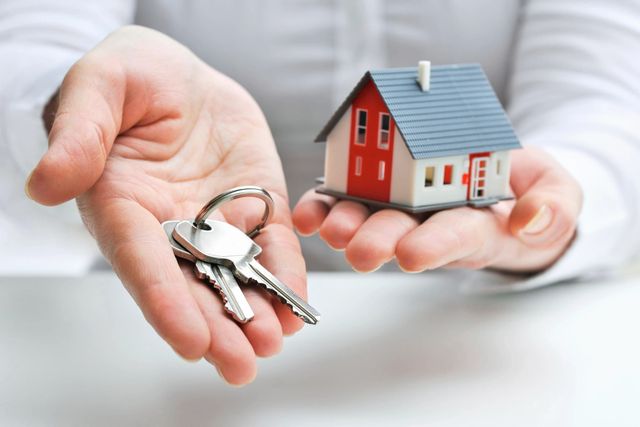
[(144, 132)]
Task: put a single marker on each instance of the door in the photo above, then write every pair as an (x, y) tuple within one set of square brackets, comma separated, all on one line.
[(478, 166), (370, 146)]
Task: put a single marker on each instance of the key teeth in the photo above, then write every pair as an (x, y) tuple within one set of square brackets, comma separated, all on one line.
[(223, 296), (293, 309), (225, 300)]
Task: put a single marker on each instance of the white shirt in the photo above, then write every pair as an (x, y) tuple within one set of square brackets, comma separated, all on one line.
[(567, 70)]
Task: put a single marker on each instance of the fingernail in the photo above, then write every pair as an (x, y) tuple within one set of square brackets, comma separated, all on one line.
[(227, 381), (373, 270), (186, 359), (222, 376), (26, 185), (539, 222), (404, 270), (309, 234), (333, 247)]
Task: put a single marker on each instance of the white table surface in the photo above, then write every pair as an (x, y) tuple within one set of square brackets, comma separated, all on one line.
[(396, 349)]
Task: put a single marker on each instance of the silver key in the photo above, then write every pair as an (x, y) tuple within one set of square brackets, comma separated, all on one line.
[(226, 245), (220, 277)]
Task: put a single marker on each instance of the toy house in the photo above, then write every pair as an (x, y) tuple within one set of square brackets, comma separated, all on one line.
[(419, 139)]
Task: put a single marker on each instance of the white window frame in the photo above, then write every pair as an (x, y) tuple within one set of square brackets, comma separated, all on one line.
[(359, 126), (479, 191), (382, 170), (433, 178), (381, 131), (358, 168), (453, 174)]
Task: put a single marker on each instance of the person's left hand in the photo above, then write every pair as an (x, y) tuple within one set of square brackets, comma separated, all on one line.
[(527, 235)]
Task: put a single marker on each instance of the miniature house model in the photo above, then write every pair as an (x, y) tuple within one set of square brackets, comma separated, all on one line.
[(419, 139)]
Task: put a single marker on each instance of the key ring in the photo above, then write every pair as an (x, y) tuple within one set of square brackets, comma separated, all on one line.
[(237, 193)]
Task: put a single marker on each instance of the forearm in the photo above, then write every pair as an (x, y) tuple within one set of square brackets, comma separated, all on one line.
[(39, 40), (575, 92)]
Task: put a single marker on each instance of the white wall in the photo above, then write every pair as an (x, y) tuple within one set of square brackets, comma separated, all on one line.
[(407, 185), (336, 159), (440, 193), (402, 172), (498, 185)]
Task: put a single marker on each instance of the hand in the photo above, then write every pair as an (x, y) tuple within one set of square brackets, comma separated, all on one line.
[(145, 132), (527, 235)]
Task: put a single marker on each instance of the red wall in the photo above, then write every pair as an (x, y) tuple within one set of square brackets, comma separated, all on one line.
[(367, 185)]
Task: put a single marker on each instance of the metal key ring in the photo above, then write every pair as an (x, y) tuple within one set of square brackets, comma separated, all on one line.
[(237, 193)]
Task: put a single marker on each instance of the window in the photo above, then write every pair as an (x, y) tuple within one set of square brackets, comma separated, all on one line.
[(383, 134), (498, 167), (361, 127), (448, 175), (429, 172), (381, 170), (358, 166)]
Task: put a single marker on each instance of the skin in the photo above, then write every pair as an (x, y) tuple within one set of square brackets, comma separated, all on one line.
[(527, 235), (145, 132)]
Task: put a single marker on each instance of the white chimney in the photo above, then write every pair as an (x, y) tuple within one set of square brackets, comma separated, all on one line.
[(424, 75)]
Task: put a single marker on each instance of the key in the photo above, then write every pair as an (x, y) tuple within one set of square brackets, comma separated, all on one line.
[(224, 281), (220, 277), (226, 245), (178, 250)]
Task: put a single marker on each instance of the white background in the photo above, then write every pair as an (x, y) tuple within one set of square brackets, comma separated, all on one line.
[(394, 349)]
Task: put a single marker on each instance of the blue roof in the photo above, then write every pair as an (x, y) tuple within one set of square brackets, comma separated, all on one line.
[(460, 113)]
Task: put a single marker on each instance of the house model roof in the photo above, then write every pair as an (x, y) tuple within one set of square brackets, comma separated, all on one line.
[(459, 114)]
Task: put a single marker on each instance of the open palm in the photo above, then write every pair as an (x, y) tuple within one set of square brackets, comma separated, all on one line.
[(146, 132)]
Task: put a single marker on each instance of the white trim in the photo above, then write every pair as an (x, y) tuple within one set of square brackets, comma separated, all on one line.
[(358, 168), (381, 170), (358, 126), (336, 160), (479, 191), (388, 131), (433, 176)]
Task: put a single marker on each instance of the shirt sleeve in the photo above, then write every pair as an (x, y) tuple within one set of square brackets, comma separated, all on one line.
[(39, 41), (575, 92)]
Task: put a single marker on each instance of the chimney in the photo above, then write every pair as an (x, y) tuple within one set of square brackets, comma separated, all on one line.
[(424, 75)]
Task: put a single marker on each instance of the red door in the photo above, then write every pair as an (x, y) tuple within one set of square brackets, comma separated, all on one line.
[(478, 164), (370, 146)]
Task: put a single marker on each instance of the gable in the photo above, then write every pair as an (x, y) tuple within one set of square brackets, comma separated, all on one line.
[(460, 114)]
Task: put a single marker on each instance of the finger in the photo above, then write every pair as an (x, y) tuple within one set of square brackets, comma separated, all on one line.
[(453, 235), (230, 350), (133, 240), (341, 224), (549, 200), (310, 211), (264, 331), (282, 256), (375, 241), (85, 125)]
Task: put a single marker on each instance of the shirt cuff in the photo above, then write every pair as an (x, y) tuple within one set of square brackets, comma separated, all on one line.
[(24, 131)]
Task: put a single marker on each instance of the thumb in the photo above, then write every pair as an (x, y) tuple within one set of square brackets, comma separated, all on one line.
[(86, 123), (549, 200)]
